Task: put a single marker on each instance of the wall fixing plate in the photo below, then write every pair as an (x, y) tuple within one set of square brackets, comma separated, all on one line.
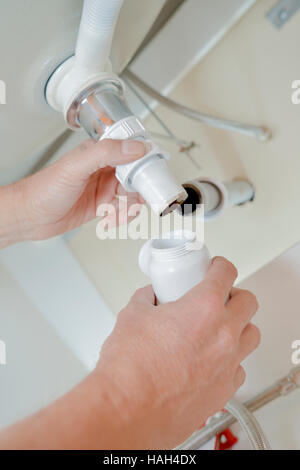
[(282, 12)]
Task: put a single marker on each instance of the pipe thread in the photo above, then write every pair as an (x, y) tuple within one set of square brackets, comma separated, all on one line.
[(171, 249)]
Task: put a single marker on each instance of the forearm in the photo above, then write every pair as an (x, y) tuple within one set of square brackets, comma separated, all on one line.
[(85, 418), (88, 417)]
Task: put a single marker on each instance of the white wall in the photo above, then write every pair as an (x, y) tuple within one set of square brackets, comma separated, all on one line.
[(39, 366), (277, 287), (60, 290), (53, 322)]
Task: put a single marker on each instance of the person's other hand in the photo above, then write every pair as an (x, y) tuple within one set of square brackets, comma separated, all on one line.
[(66, 194), (162, 372), (170, 367)]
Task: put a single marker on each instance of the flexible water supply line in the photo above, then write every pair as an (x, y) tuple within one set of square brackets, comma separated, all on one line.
[(96, 31), (249, 424), (258, 132), (220, 422)]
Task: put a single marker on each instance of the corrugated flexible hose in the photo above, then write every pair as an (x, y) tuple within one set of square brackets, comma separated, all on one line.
[(249, 424)]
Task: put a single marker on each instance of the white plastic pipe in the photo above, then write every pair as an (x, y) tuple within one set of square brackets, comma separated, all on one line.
[(216, 196), (96, 31), (175, 263), (239, 192), (91, 63)]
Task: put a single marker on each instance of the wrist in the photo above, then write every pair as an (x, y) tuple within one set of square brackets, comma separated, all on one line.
[(103, 419), (127, 405), (114, 398)]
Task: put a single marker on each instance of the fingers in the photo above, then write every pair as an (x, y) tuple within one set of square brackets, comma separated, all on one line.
[(241, 307), (120, 211), (211, 294), (249, 341), (144, 295), (90, 156), (220, 277), (239, 378)]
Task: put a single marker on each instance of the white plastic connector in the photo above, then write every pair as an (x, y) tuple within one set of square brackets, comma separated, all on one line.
[(149, 176), (209, 192), (68, 82)]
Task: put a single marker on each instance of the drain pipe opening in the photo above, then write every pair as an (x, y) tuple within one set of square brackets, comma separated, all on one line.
[(192, 202), (215, 196)]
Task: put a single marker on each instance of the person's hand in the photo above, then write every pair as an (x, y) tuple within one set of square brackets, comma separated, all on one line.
[(174, 365), (67, 194), (162, 372)]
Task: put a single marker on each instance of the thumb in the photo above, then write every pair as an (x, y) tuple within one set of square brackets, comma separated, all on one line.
[(144, 295), (90, 156)]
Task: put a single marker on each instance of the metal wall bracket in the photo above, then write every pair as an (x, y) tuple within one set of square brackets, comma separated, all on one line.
[(282, 12)]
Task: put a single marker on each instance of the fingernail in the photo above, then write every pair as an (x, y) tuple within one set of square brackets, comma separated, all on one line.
[(133, 147)]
